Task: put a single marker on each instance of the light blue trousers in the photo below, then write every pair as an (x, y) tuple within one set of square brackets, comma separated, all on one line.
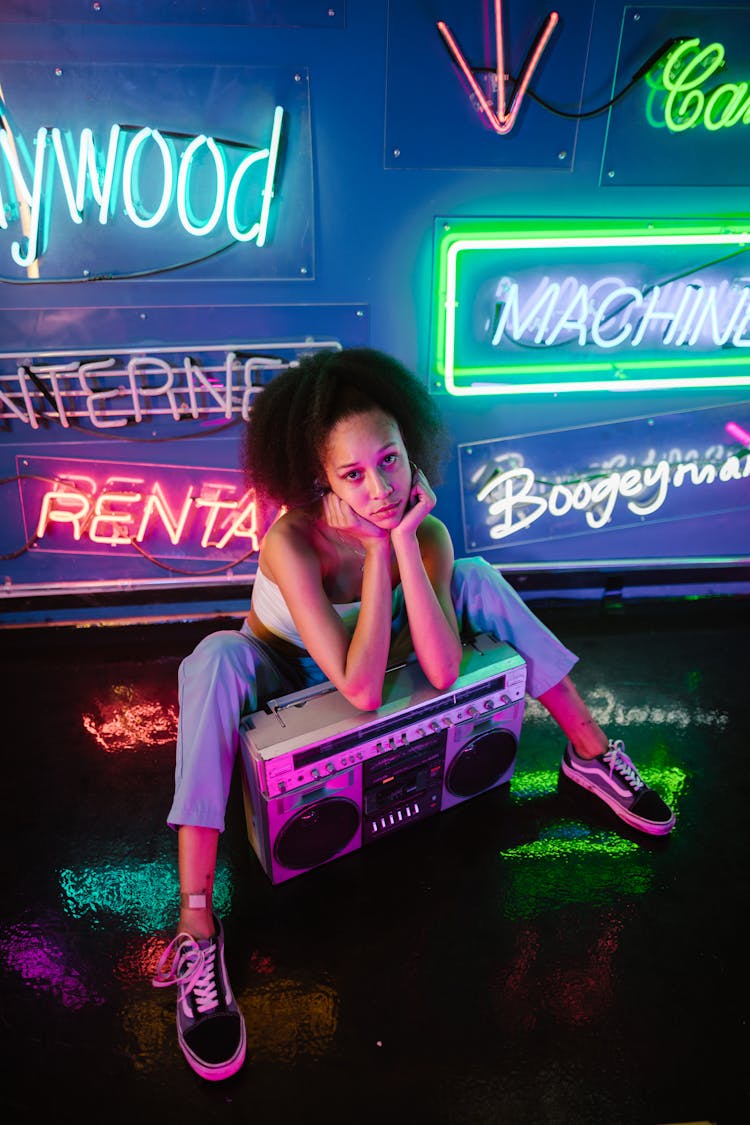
[(231, 673)]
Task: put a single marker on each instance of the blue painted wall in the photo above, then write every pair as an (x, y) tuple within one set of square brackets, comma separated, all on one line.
[(382, 147)]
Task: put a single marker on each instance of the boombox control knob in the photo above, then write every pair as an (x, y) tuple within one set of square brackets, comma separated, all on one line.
[(330, 767), (472, 712)]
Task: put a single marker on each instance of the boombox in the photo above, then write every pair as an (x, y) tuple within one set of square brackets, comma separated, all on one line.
[(321, 779)]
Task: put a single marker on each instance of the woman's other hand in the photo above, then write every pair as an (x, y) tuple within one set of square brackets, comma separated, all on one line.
[(422, 500)]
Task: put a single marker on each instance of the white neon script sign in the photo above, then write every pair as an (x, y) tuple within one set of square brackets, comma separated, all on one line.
[(515, 499), (609, 313), (115, 171), (687, 70)]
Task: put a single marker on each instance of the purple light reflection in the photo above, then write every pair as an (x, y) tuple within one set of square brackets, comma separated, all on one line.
[(44, 966)]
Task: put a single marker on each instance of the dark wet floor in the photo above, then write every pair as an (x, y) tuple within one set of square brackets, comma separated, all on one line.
[(522, 958)]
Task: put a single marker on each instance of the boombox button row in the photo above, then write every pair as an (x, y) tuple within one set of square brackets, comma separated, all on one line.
[(390, 821)]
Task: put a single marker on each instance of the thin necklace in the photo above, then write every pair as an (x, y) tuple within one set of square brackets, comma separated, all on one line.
[(358, 551)]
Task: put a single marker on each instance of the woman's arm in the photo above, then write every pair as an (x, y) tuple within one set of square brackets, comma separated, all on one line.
[(424, 553), (355, 664)]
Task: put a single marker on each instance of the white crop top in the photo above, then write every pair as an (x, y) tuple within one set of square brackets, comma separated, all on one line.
[(270, 607)]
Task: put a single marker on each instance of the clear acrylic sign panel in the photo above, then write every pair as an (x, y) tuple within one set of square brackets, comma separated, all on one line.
[(172, 173)]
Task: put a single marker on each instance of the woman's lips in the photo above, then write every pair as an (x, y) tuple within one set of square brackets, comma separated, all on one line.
[(388, 510)]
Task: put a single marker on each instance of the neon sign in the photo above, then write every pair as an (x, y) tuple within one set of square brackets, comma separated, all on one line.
[(124, 387), (515, 499), (107, 173), (606, 312), (128, 170), (686, 71), (635, 489), (173, 511), (528, 308), (501, 117)]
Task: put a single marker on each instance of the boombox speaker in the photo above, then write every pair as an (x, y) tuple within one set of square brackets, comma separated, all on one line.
[(321, 778)]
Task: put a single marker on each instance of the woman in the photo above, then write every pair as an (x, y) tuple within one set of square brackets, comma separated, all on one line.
[(354, 573)]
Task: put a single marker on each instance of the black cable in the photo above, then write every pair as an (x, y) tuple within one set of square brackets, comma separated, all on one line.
[(157, 271), (174, 134), (645, 67), (189, 573)]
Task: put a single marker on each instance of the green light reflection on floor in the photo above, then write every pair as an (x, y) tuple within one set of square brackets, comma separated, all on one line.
[(144, 896), (572, 862), (669, 782)]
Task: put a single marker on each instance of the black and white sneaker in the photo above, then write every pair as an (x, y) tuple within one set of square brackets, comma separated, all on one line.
[(210, 1026), (613, 777)]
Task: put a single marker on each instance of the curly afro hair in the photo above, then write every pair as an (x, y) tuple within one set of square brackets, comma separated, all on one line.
[(292, 417)]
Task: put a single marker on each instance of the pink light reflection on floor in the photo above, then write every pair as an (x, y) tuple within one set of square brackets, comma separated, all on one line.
[(131, 722)]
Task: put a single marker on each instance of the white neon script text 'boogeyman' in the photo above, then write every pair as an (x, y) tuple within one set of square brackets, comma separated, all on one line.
[(95, 176), (516, 499)]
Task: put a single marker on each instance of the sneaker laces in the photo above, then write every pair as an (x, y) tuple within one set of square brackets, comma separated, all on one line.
[(204, 985), (181, 963), (620, 763)]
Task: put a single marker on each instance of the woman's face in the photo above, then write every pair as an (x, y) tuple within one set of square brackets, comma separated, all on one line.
[(367, 465)]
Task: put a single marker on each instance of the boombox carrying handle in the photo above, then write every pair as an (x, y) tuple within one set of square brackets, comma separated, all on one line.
[(297, 698)]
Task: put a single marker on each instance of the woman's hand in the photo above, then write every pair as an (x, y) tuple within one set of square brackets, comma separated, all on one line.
[(422, 500), (349, 524)]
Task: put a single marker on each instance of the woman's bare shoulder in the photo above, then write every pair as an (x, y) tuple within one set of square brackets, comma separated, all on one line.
[(432, 533), (295, 533)]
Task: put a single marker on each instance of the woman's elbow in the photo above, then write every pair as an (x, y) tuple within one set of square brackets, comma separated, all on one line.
[(444, 676), (367, 698), (445, 680)]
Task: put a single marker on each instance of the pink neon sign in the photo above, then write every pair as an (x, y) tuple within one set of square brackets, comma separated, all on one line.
[(164, 511), (502, 116)]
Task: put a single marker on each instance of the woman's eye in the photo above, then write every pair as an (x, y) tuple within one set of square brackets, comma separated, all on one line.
[(390, 459)]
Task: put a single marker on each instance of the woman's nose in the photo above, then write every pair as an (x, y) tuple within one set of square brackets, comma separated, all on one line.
[(380, 484)]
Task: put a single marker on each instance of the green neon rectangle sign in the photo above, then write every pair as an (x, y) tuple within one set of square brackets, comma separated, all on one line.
[(539, 307)]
